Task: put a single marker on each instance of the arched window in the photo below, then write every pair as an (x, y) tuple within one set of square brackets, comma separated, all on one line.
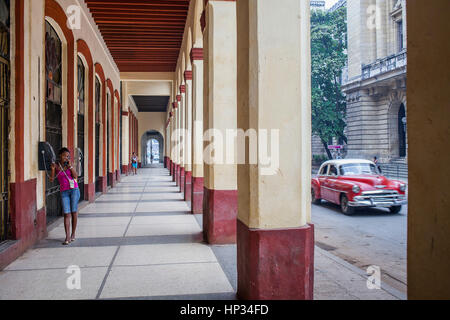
[(53, 112), (81, 96)]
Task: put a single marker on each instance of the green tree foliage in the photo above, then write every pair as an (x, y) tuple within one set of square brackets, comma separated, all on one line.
[(328, 49)]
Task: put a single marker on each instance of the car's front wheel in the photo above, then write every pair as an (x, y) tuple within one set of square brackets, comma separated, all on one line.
[(314, 199), (345, 207), (395, 209)]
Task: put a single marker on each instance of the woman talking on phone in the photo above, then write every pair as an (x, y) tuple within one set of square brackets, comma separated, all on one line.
[(70, 194)]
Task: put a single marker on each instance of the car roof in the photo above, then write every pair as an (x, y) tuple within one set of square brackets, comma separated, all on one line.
[(346, 161)]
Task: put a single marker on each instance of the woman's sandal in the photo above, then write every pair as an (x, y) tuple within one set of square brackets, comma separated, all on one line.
[(66, 243), (72, 240)]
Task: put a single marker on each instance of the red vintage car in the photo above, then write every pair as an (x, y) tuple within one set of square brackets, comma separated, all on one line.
[(357, 184)]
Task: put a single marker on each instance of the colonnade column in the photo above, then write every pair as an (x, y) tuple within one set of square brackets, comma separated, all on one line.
[(178, 138), (182, 137), (125, 142), (188, 137), (275, 240), (197, 131), (220, 180)]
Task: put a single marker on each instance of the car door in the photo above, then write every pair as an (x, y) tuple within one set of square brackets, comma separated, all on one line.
[(323, 177), (333, 193)]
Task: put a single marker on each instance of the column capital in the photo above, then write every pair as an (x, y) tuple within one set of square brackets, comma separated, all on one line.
[(178, 98), (175, 105), (182, 89), (196, 54), (187, 75)]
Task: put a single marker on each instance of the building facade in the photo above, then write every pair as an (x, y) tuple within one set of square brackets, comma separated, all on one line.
[(375, 82)]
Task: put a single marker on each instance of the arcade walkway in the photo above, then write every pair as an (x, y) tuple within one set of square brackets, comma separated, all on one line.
[(139, 242)]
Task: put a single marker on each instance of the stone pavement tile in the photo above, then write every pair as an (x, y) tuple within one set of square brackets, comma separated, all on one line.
[(49, 258), (49, 284), (163, 229), (129, 197), (100, 221), (328, 290), (107, 207), (172, 219), (164, 254), (162, 206), (162, 196), (90, 232), (166, 280)]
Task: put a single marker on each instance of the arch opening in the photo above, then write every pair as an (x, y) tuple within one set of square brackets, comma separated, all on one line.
[(152, 143)]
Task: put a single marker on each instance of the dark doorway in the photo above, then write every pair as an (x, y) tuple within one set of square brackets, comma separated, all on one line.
[(402, 131), (81, 112), (53, 113), (4, 119)]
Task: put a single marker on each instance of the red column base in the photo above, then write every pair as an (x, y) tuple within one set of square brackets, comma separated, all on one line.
[(188, 186), (89, 192), (125, 170), (117, 175), (219, 216), (275, 264), (103, 184), (177, 174), (182, 178), (112, 179), (28, 225), (166, 162), (197, 195), (139, 165)]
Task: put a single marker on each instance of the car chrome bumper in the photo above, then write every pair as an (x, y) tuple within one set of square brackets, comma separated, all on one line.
[(378, 203)]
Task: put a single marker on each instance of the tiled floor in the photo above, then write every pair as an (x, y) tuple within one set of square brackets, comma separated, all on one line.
[(139, 241)]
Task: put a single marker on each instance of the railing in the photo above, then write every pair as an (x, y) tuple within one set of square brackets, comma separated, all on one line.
[(384, 65), (395, 171)]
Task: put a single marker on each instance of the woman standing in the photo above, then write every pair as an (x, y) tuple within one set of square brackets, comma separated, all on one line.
[(70, 194), (134, 162)]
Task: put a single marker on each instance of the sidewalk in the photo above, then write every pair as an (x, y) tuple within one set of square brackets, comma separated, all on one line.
[(139, 241)]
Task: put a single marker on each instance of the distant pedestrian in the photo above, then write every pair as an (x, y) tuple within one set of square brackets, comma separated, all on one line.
[(134, 163), (375, 160)]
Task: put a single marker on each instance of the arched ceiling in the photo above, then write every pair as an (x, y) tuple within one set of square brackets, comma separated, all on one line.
[(142, 35)]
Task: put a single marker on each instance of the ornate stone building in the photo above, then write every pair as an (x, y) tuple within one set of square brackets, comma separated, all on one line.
[(375, 82)]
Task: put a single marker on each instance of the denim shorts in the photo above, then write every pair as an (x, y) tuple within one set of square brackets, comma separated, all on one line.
[(69, 199)]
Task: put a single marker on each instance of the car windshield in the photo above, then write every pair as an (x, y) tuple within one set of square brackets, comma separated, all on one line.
[(352, 169)]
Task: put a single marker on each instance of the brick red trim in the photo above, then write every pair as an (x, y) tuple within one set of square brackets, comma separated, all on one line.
[(125, 113), (175, 105), (196, 54), (219, 216), (183, 88), (197, 195), (178, 98), (275, 264), (103, 181), (89, 192), (182, 179), (187, 75), (188, 186)]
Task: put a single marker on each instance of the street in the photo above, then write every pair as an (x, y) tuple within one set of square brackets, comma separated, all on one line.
[(371, 237)]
